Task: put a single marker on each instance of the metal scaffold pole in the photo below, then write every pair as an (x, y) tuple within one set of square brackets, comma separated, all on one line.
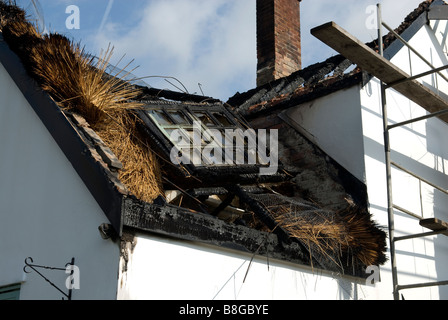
[(390, 209)]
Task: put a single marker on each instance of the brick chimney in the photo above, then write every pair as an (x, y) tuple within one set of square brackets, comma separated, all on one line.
[(278, 39)]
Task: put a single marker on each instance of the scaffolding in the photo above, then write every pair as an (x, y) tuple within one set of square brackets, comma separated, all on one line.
[(391, 76), (438, 227)]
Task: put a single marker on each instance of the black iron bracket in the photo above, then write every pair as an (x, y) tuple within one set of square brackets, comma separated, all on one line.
[(34, 267)]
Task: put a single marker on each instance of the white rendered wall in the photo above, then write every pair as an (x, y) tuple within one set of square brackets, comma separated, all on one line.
[(161, 268), (46, 212), (332, 123)]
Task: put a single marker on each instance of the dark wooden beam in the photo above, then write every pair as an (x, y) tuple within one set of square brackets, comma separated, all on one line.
[(184, 224)]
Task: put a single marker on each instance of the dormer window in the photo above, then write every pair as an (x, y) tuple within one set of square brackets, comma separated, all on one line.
[(204, 136)]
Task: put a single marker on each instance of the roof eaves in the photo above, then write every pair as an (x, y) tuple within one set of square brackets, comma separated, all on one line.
[(184, 224)]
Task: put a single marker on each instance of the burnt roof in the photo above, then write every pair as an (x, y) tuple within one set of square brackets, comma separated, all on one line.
[(98, 172), (325, 77), (97, 166)]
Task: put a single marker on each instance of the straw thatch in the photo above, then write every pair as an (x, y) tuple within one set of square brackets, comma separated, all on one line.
[(10, 13), (341, 239), (79, 83), (141, 172)]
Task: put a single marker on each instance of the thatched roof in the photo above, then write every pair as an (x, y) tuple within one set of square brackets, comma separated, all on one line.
[(110, 106)]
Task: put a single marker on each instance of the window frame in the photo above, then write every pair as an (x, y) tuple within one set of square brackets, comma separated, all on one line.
[(188, 111), (10, 292)]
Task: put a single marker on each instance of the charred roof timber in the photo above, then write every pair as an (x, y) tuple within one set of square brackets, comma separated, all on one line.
[(123, 151)]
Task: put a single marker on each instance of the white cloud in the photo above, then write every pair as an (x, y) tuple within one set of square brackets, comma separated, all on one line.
[(352, 16), (196, 41), (213, 42)]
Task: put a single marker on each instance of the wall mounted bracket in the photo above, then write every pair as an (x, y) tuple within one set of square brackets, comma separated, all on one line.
[(34, 267)]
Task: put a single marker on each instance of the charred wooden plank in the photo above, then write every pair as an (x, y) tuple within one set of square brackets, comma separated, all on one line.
[(180, 223)]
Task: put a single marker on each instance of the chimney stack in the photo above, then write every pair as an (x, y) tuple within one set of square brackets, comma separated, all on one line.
[(278, 39)]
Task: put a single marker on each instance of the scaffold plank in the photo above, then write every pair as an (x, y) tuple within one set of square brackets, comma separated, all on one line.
[(435, 225), (370, 61)]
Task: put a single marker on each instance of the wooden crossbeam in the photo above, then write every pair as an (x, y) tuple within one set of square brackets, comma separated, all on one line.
[(370, 61), (435, 225)]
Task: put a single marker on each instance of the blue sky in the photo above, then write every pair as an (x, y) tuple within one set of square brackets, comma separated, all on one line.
[(206, 42)]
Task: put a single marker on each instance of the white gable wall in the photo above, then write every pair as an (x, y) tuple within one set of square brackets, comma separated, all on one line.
[(46, 212), (332, 123)]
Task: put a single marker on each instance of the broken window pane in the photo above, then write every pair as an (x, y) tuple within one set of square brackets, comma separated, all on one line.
[(214, 135), (222, 119), (178, 137), (179, 117), (160, 117), (218, 141), (197, 137), (205, 119)]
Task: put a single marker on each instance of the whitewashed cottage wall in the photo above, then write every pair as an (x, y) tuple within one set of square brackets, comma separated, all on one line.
[(46, 211)]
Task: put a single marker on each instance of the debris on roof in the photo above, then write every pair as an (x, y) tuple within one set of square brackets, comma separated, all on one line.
[(304, 85), (130, 129), (262, 106), (327, 235)]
